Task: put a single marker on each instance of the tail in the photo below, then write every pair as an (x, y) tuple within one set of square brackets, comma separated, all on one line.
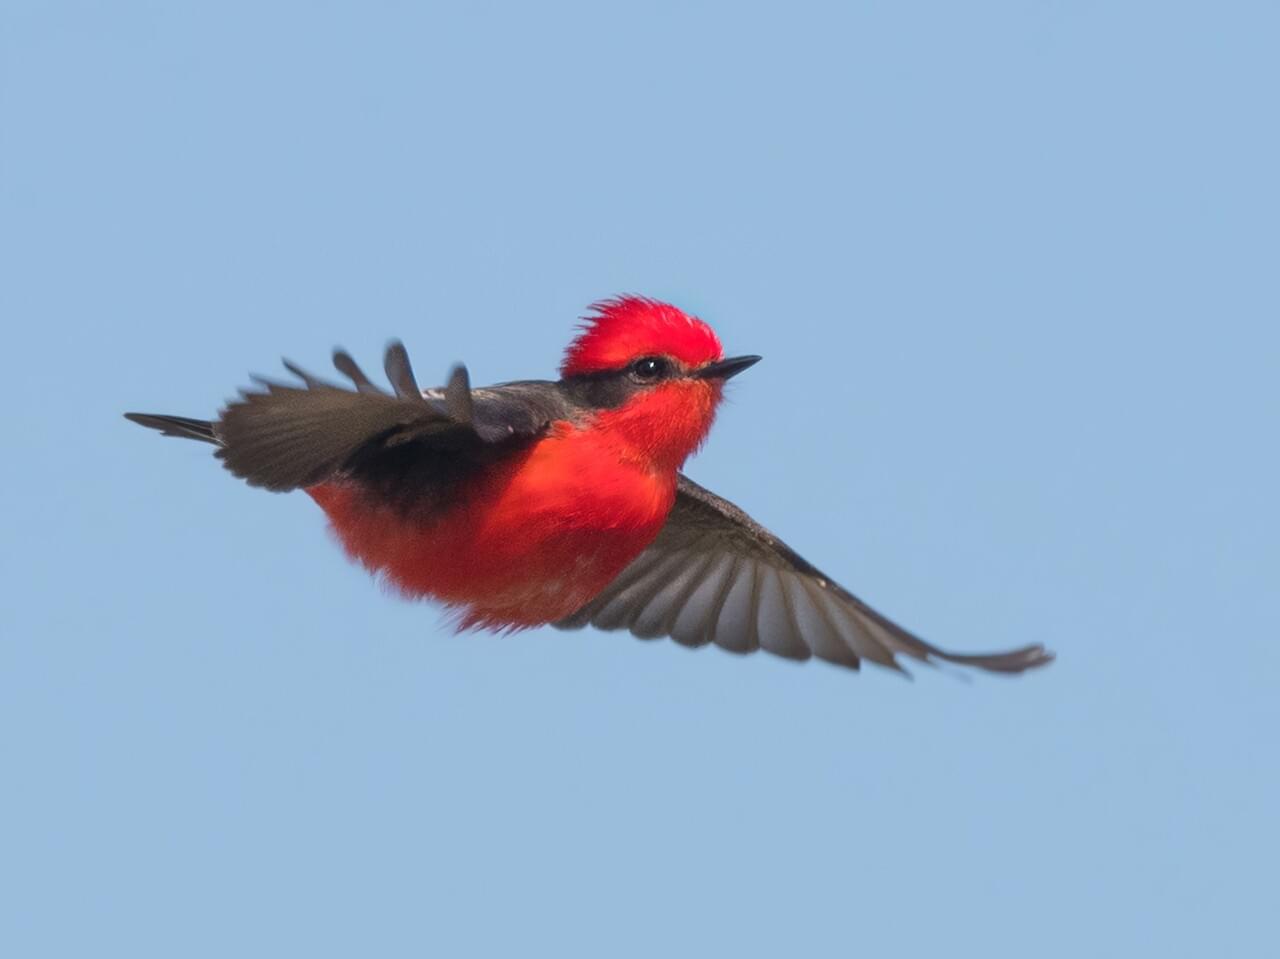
[(177, 426)]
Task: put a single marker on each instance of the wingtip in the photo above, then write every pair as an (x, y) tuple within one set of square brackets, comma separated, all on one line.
[(400, 371), (1044, 656), (1035, 655), (457, 395), (348, 367), (1015, 661)]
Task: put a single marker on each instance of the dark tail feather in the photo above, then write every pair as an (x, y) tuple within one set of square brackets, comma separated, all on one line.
[(177, 426)]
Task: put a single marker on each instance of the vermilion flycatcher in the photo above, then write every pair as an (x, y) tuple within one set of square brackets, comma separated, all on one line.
[(558, 502)]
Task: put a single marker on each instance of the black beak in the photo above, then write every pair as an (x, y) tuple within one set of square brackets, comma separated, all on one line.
[(724, 369)]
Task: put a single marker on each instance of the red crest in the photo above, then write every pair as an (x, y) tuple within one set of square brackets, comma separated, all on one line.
[(626, 328)]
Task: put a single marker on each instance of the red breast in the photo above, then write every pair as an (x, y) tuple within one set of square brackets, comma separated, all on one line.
[(529, 541)]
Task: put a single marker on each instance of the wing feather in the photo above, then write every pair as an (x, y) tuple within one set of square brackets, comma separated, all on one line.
[(691, 625), (284, 436), (400, 372), (774, 623), (348, 367), (714, 575), (735, 628), (622, 610), (658, 618)]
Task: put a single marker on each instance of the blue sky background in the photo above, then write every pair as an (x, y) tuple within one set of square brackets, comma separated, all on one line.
[(1012, 267)]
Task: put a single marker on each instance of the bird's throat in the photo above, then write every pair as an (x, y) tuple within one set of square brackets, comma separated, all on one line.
[(662, 428)]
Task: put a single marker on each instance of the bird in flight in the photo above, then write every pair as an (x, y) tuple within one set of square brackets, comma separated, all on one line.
[(558, 502)]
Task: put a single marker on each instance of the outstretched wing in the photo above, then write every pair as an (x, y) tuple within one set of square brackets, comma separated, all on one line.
[(714, 575), (285, 436)]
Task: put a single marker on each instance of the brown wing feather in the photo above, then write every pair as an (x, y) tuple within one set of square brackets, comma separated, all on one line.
[(715, 575), (286, 436)]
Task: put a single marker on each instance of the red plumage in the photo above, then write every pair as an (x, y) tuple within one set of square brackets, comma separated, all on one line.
[(536, 535), (562, 502), (626, 327), (530, 540)]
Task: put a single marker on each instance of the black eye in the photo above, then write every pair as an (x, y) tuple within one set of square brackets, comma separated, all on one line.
[(648, 369)]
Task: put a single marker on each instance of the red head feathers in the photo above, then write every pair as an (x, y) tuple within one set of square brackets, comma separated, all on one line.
[(629, 327)]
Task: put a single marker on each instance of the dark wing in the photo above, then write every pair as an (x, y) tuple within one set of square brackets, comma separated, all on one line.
[(714, 575), (289, 436)]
